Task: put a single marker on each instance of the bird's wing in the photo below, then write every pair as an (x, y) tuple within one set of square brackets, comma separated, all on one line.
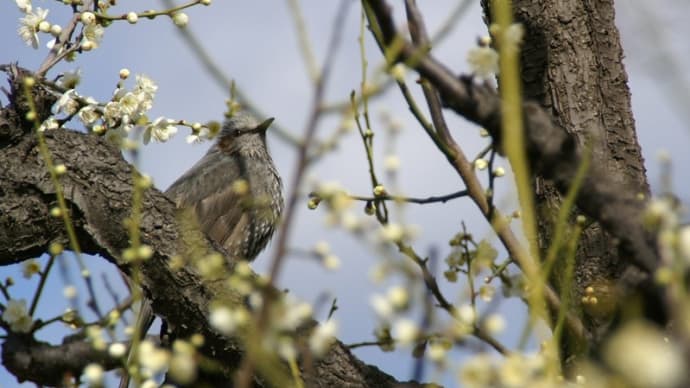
[(207, 189)]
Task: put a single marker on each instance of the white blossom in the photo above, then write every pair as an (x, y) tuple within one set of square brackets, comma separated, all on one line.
[(55, 30), (483, 61), (405, 331), (480, 164), (392, 163), (398, 297), (93, 375), (392, 232), (117, 349), (48, 124), (145, 85), (286, 348), (88, 18), (150, 383), (111, 113), (322, 248), (477, 372), (24, 5), (95, 335), (17, 315), (323, 337), (129, 105), (180, 19), (153, 360), (437, 351), (202, 134), (28, 26), (93, 33), (70, 292), (466, 314), (183, 364), (331, 262), (381, 306), (161, 130), (30, 268), (514, 372), (397, 71), (639, 352), (70, 79), (294, 313), (88, 114), (494, 324), (67, 103), (514, 34), (132, 17), (227, 320)]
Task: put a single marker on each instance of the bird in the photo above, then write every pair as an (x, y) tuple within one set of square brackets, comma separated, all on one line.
[(235, 193)]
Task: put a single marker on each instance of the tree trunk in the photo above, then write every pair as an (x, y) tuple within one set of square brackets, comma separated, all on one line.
[(571, 63)]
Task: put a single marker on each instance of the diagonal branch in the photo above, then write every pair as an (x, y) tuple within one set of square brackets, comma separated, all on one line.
[(552, 152), (98, 189)]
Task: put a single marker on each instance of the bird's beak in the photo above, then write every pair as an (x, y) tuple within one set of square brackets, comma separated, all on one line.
[(264, 126)]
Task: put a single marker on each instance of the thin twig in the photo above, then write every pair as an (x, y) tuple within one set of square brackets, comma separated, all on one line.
[(41, 284), (305, 45), (302, 151), (421, 201), (56, 54), (383, 29), (432, 286), (225, 82), (246, 370)]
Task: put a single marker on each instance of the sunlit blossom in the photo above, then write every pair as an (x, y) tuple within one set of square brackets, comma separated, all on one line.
[(483, 61), (161, 130), (28, 26), (323, 337), (17, 315)]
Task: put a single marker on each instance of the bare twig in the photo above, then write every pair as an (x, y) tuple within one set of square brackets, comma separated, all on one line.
[(246, 370), (487, 114), (421, 201), (304, 43), (225, 82)]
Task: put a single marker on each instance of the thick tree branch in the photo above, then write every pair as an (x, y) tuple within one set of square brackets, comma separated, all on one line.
[(552, 152), (98, 188), (46, 364)]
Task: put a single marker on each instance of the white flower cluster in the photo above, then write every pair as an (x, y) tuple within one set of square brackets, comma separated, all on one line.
[(116, 118), (396, 299), (663, 216), (483, 61), (33, 22), (17, 316), (515, 370), (152, 359), (641, 353), (92, 32), (323, 251)]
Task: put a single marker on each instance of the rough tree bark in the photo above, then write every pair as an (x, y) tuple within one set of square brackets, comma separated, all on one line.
[(571, 63), (588, 108), (98, 188)]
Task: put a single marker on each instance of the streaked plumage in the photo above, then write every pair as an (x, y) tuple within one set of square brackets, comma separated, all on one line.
[(242, 223)]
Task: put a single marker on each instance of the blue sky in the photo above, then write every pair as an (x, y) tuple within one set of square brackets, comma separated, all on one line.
[(255, 43)]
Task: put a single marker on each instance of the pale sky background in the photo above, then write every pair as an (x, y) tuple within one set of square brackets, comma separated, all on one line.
[(256, 44)]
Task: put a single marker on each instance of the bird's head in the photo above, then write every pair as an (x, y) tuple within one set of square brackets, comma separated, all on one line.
[(242, 132)]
